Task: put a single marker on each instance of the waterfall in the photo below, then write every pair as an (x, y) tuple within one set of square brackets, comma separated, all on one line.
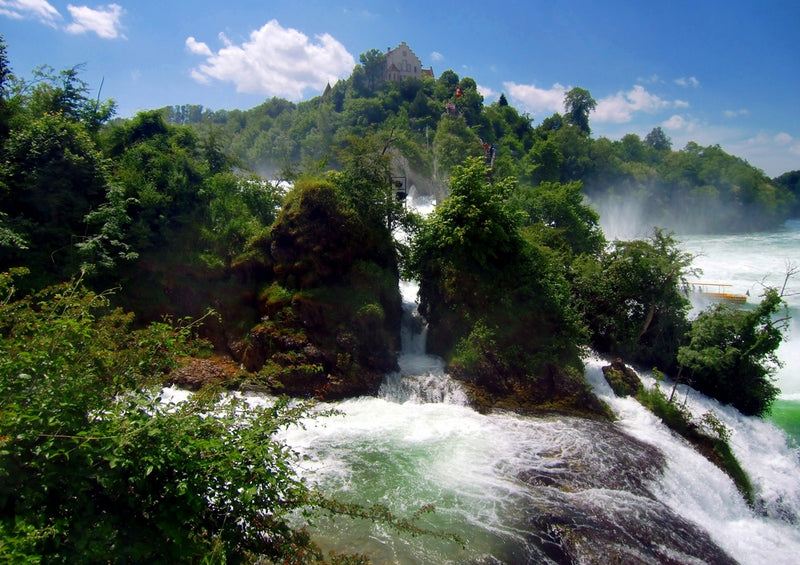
[(422, 377), (547, 489)]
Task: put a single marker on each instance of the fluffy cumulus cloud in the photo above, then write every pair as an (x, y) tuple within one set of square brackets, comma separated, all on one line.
[(537, 100), (678, 123), (198, 47), (39, 10), (436, 57), (274, 61), (104, 21), (620, 107)]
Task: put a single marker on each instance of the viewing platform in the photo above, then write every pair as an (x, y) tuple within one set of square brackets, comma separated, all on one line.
[(715, 291)]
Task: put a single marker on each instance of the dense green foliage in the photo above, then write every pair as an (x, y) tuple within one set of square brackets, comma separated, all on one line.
[(691, 189), (561, 219), (791, 182), (497, 302), (96, 467), (731, 353), (632, 299)]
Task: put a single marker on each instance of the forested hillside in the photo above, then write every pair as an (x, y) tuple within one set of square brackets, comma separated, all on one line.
[(433, 124)]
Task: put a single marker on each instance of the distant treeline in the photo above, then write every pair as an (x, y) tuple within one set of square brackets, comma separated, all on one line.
[(436, 123)]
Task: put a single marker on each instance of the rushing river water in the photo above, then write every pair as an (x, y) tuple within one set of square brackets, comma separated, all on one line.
[(545, 489)]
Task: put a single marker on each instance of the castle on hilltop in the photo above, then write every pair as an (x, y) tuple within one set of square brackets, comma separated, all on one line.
[(401, 62)]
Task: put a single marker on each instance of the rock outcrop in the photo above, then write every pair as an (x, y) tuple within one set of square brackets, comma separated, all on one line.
[(623, 380)]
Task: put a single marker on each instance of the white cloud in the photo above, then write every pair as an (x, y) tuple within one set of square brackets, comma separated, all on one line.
[(40, 10), (652, 79), (773, 153), (620, 107), (485, 91), (686, 82), (274, 61), (783, 138), (198, 47), (104, 21), (436, 57), (680, 103), (534, 99), (735, 113), (679, 123)]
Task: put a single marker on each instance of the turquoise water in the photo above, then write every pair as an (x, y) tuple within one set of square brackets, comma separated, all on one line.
[(786, 415)]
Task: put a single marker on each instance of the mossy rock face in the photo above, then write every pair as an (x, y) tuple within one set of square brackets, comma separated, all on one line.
[(196, 373), (331, 314), (623, 380)]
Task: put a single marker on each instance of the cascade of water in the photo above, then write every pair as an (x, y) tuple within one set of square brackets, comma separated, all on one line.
[(422, 377), (701, 493)]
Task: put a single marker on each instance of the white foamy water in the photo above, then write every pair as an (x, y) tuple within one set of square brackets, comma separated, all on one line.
[(700, 492), (515, 487)]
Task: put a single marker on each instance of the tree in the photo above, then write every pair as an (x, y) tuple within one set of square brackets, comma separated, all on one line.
[(163, 169), (54, 176), (470, 103), (374, 63), (558, 212), (731, 354), (445, 88), (365, 179), (658, 140), (453, 143), (6, 77), (632, 299), (64, 92), (578, 103), (543, 162), (483, 286)]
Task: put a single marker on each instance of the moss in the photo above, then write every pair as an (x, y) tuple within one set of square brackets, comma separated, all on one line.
[(555, 390), (623, 380)]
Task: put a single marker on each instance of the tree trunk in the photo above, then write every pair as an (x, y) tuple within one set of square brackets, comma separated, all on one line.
[(650, 313)]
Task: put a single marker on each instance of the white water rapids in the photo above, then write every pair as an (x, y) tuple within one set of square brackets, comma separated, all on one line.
[(544, 489)]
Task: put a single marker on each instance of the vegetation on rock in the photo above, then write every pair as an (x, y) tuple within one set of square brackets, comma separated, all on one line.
[(97, 466), (731, 353), (632, 299), (498, 305)]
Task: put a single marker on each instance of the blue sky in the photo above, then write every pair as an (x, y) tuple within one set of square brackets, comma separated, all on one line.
[(714, 72)]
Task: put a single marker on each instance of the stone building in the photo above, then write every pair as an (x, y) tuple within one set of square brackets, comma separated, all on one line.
[(401, 62)]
